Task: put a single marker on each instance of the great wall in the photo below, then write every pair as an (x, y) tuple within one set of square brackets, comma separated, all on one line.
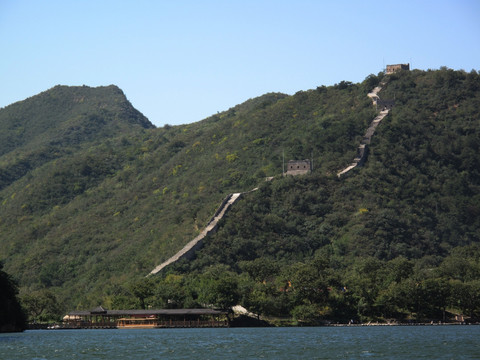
[(362, 150), (188, 251)]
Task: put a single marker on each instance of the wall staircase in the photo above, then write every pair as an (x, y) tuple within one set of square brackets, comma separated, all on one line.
[(189, 250), (362, 149)]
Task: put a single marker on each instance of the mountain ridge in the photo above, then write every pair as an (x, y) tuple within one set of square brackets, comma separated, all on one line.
[(89, 221), (46, 126)]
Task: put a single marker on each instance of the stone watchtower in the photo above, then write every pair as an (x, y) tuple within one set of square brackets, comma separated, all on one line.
[(397, 67), (299, 167)]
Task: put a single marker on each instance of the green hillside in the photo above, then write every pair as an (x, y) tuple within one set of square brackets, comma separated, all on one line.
[(60, 121), (105, 197)]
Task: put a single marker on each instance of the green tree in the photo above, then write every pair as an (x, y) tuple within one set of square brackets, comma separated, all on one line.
[(42, 306), (309, 285), (266, 298), (174, 291), (466, 297), (370, 82), (221, 292), (307, 313), (142, 289), (219, 287), (261, 269), (365, 279)]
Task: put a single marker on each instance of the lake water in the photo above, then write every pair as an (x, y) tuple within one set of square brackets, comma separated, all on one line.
[(380, 342)]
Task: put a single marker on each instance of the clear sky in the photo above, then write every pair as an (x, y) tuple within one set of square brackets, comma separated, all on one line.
[(179, 61)]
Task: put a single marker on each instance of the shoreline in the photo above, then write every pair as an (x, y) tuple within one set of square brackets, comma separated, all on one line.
[(60, 327), (401, 324)]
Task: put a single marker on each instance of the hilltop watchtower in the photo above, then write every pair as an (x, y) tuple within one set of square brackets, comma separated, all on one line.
[(299, 167), (397, 67)]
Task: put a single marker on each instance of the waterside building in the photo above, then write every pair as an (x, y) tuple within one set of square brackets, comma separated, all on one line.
[(100, 318)]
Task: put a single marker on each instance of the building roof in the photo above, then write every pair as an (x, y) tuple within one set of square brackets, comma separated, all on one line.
[(146, 312), (99, 310)]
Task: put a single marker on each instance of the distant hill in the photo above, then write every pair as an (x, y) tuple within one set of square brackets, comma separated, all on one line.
[(49, 125), (93, 197)]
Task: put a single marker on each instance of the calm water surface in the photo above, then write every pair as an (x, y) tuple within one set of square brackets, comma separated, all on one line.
[(383, 342)]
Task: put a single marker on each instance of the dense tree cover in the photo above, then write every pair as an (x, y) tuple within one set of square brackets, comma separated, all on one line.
[(12, 317), (88, 223), (41, 306), (415, 202), (324, 288), (58, 121), (100, 213)]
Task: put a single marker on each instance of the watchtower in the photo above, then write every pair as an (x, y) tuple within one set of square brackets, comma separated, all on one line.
[(397, 67), (299, 167)]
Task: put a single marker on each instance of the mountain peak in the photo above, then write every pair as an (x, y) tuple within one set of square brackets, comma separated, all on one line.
[(68, 114)]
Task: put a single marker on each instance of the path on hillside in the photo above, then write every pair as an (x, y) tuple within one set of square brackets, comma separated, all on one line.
[(362, 148)]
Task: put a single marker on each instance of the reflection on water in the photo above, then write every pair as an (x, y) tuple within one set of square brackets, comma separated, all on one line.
[(393, 342)]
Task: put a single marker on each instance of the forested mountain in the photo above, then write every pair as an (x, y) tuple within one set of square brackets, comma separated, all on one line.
[(93, 197), (398, 238), (60, 121)]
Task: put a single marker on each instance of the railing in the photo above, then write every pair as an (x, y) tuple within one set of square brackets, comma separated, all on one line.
[(91, 325), (153, 323), (192, 323)]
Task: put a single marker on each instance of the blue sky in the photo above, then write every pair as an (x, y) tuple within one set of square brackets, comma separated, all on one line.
[(180, 61)]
